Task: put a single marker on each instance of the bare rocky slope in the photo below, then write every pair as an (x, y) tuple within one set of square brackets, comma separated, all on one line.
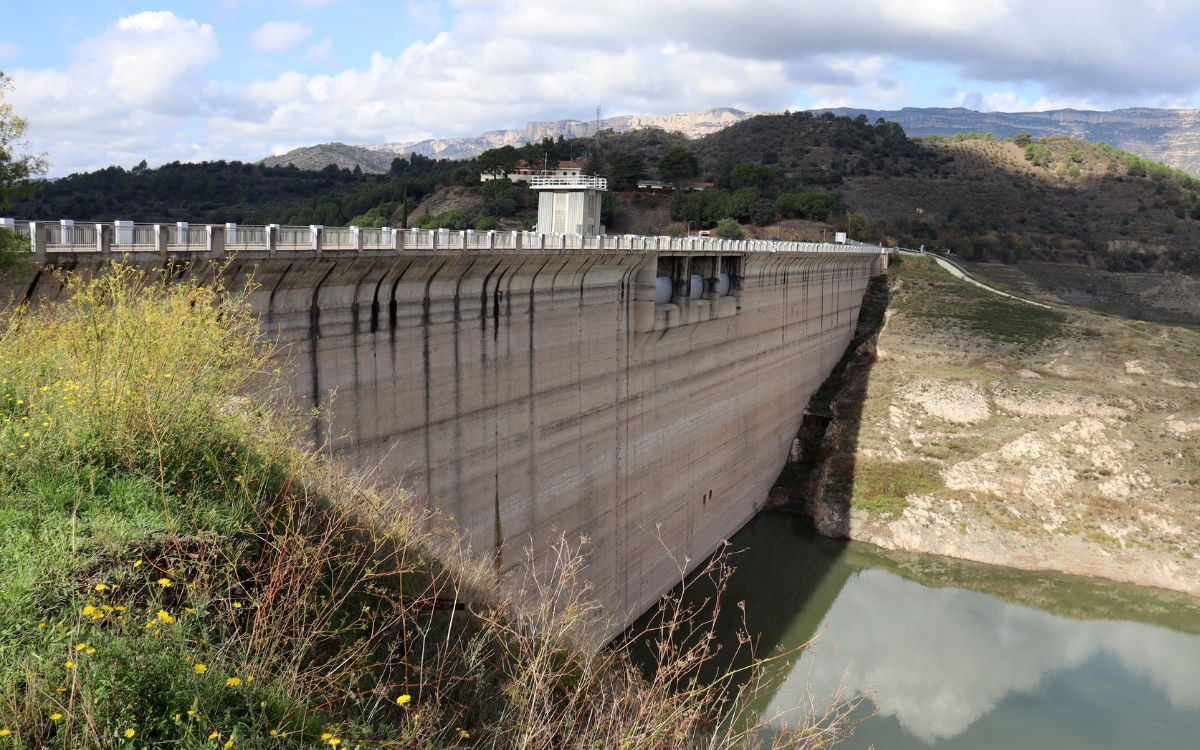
[(982, 428)]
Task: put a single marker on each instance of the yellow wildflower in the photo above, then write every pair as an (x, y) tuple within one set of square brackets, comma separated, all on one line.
[(327, 736), (228, 743), (233, 681), (4, 732), (200, 669), (55, 716), (191, 712), (273, 732), (463, 734), (102, 587), (129, 733), (69, 664), (79, 647), (41, 626), (249, 679), (165, 617), (403, 700), (164, 582), (89, 650), (237, 605), (334, 742), (214, 735), (137, 563)]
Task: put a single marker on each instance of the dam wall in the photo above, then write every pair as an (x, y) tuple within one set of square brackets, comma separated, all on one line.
[(537, 394)]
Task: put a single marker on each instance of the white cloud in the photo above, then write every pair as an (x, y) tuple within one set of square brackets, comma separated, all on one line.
[(278, 36), (138, 89)]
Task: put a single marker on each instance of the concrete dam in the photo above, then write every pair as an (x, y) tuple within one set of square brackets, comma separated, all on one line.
[(640, 392)]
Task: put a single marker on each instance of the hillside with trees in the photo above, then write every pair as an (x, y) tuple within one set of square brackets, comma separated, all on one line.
[(1015, 200)]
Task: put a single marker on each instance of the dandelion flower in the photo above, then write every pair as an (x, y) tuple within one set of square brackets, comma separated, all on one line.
[(334, 742), (102, 587), (41, 626), (200, 669), (214, 735), (164, 582), (191, 712), (327, 736), (404, 700), (249, 679), (274, 732), (237, 605), (463, 734), (233, 681), (137, 563), (79, 647), (55, 716), (228, 743), (4, 732), (69, 664), (165, 617), (129, 733), (89, 650)]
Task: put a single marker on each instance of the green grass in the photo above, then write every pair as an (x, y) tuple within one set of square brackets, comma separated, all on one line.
[(941, 300), (882, 487)]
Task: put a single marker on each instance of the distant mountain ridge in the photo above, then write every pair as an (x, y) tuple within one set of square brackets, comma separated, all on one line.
[(377, 158), (1171, 136)]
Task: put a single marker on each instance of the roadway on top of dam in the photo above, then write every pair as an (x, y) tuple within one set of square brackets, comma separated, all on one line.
[(56, 238)]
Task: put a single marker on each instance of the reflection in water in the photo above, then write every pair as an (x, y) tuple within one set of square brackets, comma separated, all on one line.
[(939, 659), (951, 667)]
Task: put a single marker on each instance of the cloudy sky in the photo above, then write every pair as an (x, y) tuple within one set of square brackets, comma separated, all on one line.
[(116, 82)]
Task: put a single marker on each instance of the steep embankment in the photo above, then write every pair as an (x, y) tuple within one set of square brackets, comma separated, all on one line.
[(991, 430)]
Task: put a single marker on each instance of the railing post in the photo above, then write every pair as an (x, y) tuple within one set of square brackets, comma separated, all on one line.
[(315, 236), (434, 236), (215, 236), (356, 239), (104, 237), (491, 239), (122, 232), (37, 240), (517, 237), (161, 239), (398, 240), (272, 237)]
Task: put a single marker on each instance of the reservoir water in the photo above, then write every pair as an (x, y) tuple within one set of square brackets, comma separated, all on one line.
[(950, 654)]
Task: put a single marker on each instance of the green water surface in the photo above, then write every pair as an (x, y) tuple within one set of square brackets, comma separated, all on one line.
[(958, 655)]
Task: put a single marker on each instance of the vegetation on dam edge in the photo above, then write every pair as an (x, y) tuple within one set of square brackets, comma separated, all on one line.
[(175, 571)]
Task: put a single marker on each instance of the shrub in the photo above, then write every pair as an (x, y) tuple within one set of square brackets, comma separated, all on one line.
[(729, 229)]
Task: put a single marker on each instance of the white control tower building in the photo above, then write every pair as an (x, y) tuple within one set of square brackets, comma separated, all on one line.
[(569, 204)]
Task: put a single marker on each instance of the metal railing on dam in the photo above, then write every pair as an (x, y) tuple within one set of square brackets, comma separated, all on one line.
[(48, 238)]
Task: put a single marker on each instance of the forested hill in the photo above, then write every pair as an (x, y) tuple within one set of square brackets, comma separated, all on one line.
[(219, 192), (1054, 198)]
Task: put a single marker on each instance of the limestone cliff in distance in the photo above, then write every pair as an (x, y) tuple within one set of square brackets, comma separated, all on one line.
[(377, 158), (1171, 136)]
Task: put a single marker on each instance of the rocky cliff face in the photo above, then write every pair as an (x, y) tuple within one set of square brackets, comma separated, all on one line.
[(1171, 136), (377, 158)]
